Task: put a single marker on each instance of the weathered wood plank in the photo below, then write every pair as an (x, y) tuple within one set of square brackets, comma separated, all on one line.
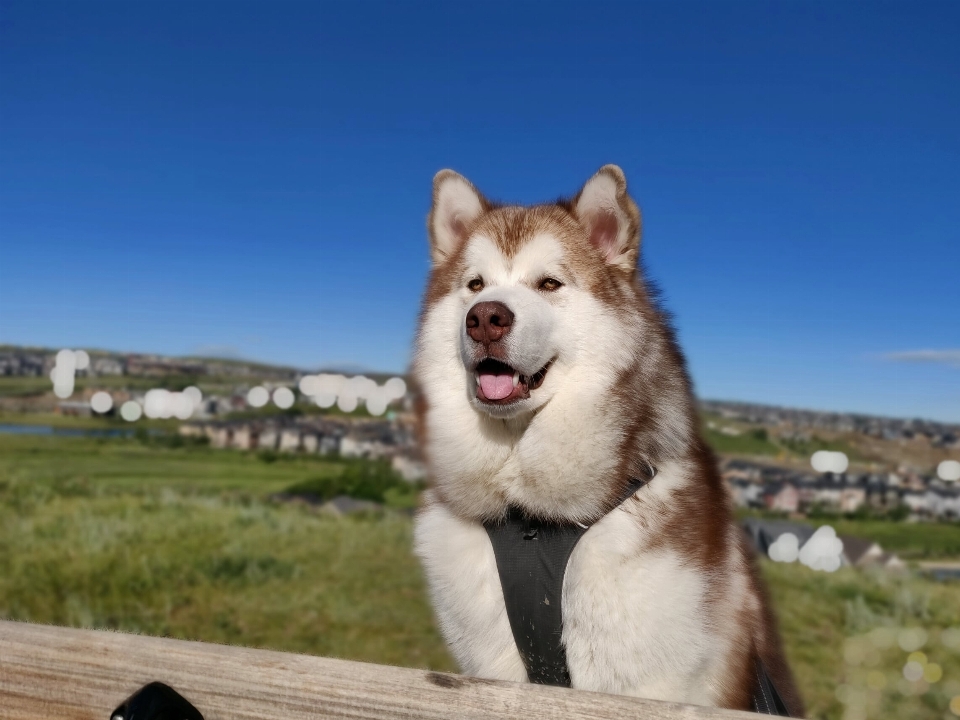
[(59, 673)]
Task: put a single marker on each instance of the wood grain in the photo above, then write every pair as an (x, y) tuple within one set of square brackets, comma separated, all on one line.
[(58, 673)]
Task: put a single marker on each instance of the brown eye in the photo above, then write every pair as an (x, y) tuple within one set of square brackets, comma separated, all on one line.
[(475, 285), (549, 284)]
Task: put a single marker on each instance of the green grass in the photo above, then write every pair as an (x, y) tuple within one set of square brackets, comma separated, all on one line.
[(806, 448), (757, 442), (34, 466), (361, 479), (184, 542), (823, 616), (79, 422), (749, 442), (909, 540), (223, 570)]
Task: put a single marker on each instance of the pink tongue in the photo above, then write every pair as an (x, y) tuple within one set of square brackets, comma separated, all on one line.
[(496, 387)]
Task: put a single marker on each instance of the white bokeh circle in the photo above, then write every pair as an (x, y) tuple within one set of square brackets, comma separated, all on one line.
[(283, 398), (949, 470), (347, 402), (101, 402), (325, 399), (131, 411), (395, 388), (258, 396), (81, 359)]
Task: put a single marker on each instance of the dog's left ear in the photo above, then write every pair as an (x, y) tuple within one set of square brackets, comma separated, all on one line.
[(611, 217)]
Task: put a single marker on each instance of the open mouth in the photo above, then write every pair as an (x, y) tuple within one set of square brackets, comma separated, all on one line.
[(500, 384)]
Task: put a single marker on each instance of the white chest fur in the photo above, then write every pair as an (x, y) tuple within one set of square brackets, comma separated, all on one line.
[(635, 619)]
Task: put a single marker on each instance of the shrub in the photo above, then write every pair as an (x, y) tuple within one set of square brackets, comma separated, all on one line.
[(360, 479)]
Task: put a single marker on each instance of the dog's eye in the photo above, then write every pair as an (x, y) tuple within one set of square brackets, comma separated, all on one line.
[(475, 285), (550, 284)]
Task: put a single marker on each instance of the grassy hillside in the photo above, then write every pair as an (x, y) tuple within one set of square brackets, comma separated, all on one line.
[(183, 542), (842, 633)]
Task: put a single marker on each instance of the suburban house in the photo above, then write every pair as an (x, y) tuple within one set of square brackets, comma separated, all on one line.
[(245, 437), (290, 439), (858, 552), (311, 442), (269, 438), (851, 498), (783, 497)]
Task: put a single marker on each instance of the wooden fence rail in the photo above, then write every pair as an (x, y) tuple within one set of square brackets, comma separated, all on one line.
[(51, 673)]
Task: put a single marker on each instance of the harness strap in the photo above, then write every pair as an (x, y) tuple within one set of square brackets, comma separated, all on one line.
[(532, 557), (766, 699)]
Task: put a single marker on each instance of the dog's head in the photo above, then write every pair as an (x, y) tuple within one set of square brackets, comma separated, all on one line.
[(547, 376), (530, 289)]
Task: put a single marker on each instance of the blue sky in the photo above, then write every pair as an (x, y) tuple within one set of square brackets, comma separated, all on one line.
[(253, 179)]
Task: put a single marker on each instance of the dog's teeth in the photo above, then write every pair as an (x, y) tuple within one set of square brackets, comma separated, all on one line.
[(476, 376), (516, 379)]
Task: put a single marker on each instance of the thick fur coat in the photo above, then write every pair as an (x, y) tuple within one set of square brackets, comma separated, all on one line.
[(547, 378)]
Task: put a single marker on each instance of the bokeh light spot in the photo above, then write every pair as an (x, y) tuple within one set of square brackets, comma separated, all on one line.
[(283, 398), (824, 461), (258, 396), (131, 411), (81, 359), (951, 638), (347, 403), (309, 385), (949, 470), (101, 402), (194, 394), (395, 388), (876, 680), (325, 399), (785, 548), (913, 671), (911, 639)]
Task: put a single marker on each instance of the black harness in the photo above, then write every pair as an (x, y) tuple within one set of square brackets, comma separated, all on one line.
[(532, 556)]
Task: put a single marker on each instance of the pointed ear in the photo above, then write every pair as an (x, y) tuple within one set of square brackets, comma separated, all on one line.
[(456, 204), (611, 217)]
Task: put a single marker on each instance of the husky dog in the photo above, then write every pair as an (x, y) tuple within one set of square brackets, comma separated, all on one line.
[(548, 380)]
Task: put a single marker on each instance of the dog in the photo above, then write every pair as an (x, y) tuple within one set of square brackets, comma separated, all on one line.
[(550, 388)]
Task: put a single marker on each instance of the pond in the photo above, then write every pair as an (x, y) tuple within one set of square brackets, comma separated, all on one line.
[(13, 429)]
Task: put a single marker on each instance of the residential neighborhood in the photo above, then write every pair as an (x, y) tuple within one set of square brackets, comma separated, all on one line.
[(760, 485), (371, 438), (226, 414), (856, 552)]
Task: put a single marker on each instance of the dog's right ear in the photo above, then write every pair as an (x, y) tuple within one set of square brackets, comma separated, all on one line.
[(456, 204)]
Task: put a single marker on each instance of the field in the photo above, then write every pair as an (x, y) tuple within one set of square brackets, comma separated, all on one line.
[(98, 533), (185, 542)]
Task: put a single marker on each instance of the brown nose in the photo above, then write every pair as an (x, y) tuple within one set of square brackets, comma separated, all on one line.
[(488, 322)]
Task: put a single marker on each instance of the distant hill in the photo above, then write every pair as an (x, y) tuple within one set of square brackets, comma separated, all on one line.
[(19, 360)]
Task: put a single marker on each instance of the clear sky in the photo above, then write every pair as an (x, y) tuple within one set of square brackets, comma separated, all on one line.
[(252, 179)]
